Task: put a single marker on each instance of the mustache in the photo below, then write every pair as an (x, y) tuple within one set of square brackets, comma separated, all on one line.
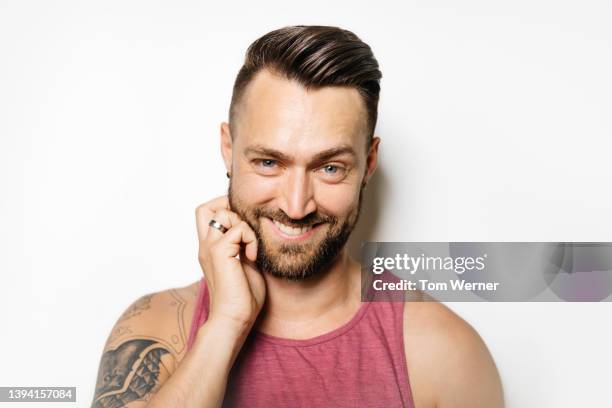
[(280, 216)]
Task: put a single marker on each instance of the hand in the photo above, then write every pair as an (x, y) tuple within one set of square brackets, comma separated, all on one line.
[(237, 290)]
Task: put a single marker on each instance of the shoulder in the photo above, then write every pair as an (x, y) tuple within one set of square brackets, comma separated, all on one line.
[(145, 345), (448, 362), (163, 316)]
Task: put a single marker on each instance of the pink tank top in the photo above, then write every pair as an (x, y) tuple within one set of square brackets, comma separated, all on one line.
[(360, 364)]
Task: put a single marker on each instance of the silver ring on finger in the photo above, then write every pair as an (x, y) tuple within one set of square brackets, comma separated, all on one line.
[(217, 225)]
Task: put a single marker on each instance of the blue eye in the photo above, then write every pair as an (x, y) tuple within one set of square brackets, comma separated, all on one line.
[(268, 162), (330, 169)]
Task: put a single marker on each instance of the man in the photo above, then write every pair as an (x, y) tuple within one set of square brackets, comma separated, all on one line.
[(278, 319)]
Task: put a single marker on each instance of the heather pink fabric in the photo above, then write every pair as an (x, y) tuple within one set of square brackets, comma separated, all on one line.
[(360, 364)]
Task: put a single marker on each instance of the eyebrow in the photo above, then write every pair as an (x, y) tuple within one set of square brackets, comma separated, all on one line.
[(319, 157)]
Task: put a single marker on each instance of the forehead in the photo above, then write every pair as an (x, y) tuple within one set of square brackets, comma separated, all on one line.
[(282, 114)]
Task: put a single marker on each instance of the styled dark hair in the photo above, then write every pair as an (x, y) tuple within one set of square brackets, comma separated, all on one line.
[(314, 56)]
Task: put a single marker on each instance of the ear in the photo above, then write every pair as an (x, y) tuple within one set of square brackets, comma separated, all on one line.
[(371, 160), (226, 146)]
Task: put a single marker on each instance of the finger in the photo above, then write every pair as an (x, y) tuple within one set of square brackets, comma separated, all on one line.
[(226, 218), (231, 242), (256, 281), (212, 206), (206, 211), (218, 203), (250, 249), (248, 253)]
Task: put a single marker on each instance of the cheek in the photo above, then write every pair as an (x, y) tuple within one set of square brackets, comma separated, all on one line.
[(254, 189), (337, 199)]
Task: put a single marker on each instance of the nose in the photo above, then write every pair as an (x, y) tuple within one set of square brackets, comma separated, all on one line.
[(297, 195)]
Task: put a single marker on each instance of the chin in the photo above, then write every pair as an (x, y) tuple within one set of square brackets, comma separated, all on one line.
[(296, 267)]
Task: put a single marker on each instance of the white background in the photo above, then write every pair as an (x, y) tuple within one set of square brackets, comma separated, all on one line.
[(495, 125)]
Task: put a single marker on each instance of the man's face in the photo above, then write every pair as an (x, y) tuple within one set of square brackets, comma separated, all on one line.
[(298, 161)]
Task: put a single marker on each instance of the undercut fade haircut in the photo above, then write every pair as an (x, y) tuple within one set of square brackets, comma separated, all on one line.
[(314, 56)]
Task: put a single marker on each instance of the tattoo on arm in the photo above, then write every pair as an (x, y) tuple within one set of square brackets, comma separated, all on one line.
[(130, 372), (143, 350), (142, 304)]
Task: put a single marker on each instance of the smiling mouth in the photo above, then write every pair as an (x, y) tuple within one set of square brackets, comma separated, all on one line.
[(292, 230)]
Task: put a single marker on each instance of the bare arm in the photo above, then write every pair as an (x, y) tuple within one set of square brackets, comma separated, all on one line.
[(201, 378), (144, 371), (145, 362), (142, 351), (472, 379), (448, 363)]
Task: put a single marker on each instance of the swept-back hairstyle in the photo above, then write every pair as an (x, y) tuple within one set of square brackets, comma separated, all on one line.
[(314, 56)]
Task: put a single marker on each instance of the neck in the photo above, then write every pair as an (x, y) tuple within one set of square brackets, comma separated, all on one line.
[(305, 309)]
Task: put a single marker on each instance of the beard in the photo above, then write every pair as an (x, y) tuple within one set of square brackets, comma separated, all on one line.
[(291, 261)]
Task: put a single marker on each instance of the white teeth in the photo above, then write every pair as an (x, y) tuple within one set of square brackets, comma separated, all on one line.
[(290, 230)]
